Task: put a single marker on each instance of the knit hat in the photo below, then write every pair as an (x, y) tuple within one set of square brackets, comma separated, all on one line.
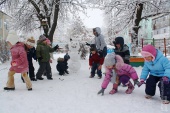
[(12, 37), (48, 41), (30, 41), (42, 38), (93, 47), (110, 59), (149, 50)]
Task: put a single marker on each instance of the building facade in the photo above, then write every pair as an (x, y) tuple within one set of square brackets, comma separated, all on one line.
[(4, 26)]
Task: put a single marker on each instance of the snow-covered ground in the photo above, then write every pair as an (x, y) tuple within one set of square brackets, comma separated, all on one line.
[(77, 93)]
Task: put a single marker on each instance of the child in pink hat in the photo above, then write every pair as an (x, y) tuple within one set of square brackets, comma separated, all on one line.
[(157, 66)]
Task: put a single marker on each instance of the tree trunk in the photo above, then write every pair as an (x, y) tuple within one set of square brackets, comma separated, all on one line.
[(136, 24), (53, 27)]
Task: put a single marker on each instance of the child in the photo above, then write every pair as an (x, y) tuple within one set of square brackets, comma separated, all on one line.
[(158, 68), (95, 62), (19, 62), (122, 49), (31, 53), (124, 73), (66, 58), (61, 66), (43, 55)]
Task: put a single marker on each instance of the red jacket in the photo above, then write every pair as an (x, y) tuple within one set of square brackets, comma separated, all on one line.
[(96, 58)]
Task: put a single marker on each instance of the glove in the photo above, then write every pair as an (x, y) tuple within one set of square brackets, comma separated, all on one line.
[(40, 58), (101, 91), (136, 82), (142, 81), (14, 63), (87, 44), (165, 80), (56, 47)]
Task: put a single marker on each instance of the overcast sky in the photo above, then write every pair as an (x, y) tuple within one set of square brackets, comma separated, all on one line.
[(94, 19)]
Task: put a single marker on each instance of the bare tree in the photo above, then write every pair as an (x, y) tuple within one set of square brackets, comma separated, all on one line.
[(29, 15), (131, 12)]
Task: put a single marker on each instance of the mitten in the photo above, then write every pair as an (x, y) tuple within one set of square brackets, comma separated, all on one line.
[(56, 47), (87, 44), (40, 58), (101, 91), (165, 80), (136, 82), (142, 81), (13, 63)]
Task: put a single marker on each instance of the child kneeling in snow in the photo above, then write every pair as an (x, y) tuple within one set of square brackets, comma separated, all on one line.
[(157, 66), (62, 65), (121, 72)]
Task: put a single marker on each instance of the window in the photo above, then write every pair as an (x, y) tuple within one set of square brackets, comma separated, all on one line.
[(164, 30)]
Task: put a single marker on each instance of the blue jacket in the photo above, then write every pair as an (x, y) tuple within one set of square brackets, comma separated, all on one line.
[(159, 67)]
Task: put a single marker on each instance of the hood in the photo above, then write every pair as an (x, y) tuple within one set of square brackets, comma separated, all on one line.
[(98, 30), (149, 50)]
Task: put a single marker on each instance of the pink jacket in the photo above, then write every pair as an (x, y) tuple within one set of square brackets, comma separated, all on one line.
[(125, 69), (107, 78), (121, 69), (19, 55)]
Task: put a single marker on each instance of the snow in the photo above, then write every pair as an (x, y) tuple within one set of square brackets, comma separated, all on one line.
[(77, 93)]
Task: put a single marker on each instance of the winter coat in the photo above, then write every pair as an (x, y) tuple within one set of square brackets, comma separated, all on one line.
[(125, 69), (19, 55), (61, 65), (109, 76), (43, 50), (31, 53), (123, 51), (96, 58), (99, 40), (159, 67)]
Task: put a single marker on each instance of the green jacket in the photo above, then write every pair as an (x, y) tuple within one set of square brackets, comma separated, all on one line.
[(43, 50)]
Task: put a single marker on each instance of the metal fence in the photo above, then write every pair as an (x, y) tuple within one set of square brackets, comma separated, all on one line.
[(161, 44)]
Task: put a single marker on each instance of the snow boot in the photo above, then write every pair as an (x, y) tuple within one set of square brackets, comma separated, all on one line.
[(30, 89), (7, 88), (91, 76), (130, 88), (66, 72), (165, 101), (148, 96), (114, 90)]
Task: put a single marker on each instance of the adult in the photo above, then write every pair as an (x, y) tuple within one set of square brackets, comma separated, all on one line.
[(99, 41)]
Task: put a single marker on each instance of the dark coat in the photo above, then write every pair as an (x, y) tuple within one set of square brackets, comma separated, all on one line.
[(123, 51), (31, 53), (61, 65)]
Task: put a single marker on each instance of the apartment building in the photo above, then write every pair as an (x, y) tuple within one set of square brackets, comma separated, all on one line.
[(161, 26), (4, 26)]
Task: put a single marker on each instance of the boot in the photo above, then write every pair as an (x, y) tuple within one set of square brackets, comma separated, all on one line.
[(66, 72), (165, 101), (91, 76), (114, 90), (148, 96), (7, 88), (130, 88)]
